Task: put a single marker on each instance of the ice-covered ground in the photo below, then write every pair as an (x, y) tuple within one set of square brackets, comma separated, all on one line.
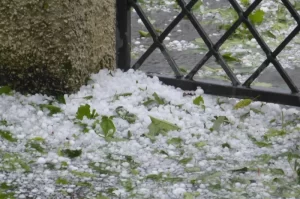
[(125, 135)]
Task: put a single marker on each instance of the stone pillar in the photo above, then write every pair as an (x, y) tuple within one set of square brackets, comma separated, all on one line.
[(52, 46)]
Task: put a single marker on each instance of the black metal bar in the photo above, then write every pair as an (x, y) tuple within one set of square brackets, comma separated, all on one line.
[(227, 90), (219, 43), (276, 52), (265, 47), (209, 43), (123, 35), (156, 40)]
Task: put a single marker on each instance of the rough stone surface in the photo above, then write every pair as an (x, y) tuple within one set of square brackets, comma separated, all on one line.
[(52, 46)]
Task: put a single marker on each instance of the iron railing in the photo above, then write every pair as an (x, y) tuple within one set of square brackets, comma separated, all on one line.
[(186, 82)]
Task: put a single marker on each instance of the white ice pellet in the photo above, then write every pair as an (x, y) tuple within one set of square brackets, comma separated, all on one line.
[(41, 160)]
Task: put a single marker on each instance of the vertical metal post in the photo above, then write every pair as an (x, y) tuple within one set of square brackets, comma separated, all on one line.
[(123, 34)]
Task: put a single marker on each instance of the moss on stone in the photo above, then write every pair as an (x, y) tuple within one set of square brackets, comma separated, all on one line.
[(52, 47)]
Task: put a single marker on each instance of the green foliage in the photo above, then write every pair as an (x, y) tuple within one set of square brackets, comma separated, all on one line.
[(126, 115), (83, 174), (218, 122), (259, 143), (53, 109), (245, 3), (276, 171), (36, 144), (7, 195), (274, 133), (197, 5), (62, 181), (7, 136), (183, 70), (158, 100), (226, 145), (144, 33), (88, 97), (117, 96), (158, 126), (100, 196), (174, 141), (127, 185), (200, 144), (12, 162), (243, 103), (199, 101), (101, 169), (242, 170), (257, 17), (71, 153), (61, 99), (6, 90), (108, 127), (185, 160), (230, 58), (84, 110)]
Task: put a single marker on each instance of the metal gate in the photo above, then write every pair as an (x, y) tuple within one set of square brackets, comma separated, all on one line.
[(186, 82)]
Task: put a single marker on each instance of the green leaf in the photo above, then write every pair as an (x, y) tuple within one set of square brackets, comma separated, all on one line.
[(229, 58), (183, 70), (100, 196), (188, 195), (108, 127), (297, 5), (7, 136), (61, 99), (100, 169), (192, 169), (6, 90), (174, 141), (88, 97), (83, 174), (60, 180), (199, 101), (217, 123), (185, 160), (257, 17), (245, 3), (275, 171), (274, 133), (117, 96), (242, 170), (148, 102), (127, 185), (53, 109), (35, 145), (158, 126), (3, 122), (259, 143), (71, 153), (197, 5), (125, 115), (243, 103), (226, 145), (158, 99), (144, 34), (269, 34), (154, 177), (7, 195), (84, 110), (200, 144), (262, 84)]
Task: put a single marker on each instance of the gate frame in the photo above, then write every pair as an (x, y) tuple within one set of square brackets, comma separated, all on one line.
[(236, 89)]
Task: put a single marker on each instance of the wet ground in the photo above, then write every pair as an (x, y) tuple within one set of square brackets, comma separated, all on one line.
[(187, 59)]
